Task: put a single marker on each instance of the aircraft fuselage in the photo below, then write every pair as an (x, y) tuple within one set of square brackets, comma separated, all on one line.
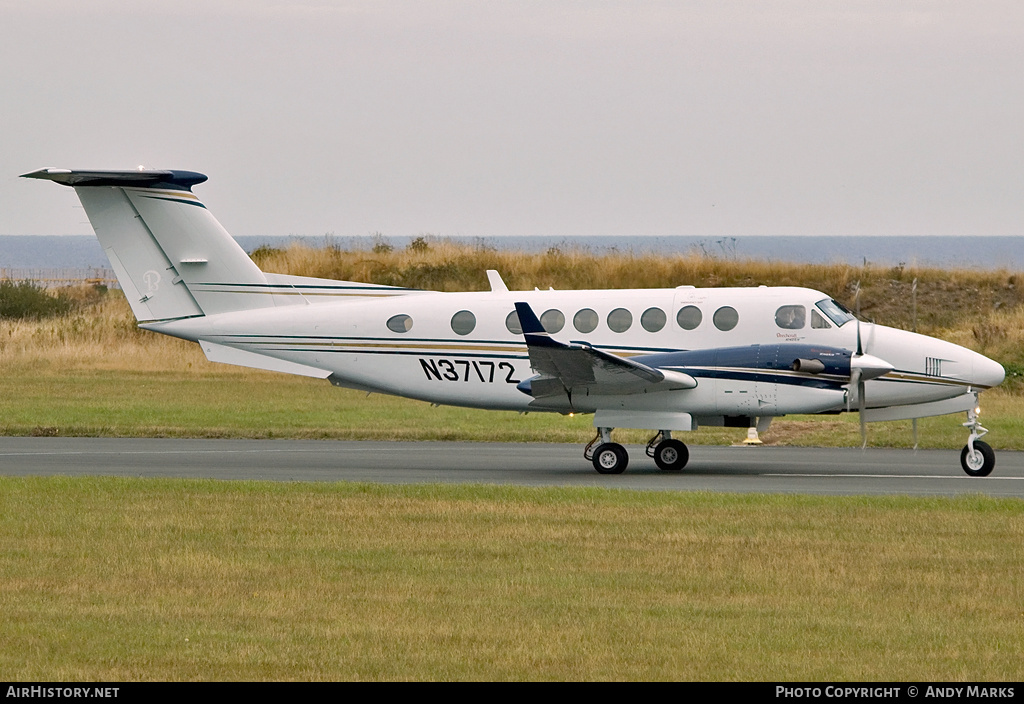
[(458, 348)]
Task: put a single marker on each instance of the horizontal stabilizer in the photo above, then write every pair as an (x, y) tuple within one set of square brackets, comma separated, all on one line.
[(140, 178)]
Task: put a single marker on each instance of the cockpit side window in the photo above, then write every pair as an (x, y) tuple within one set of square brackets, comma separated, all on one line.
[(817, 321), (835, 311), (791, 317)]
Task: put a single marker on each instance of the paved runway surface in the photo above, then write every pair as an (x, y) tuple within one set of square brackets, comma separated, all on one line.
[(735, 469)]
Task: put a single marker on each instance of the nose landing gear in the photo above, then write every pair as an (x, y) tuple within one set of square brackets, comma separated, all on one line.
[(977, 458)]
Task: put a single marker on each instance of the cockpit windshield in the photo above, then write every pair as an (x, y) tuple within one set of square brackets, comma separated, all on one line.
[(835, 311)]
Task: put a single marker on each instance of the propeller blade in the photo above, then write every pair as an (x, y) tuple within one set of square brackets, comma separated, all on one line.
[(864, 367), (856, 306), (854, 384), (861, 402)]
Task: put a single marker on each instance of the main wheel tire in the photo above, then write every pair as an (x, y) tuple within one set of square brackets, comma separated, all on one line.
[(610, 458), (979, 463), (671, 455)]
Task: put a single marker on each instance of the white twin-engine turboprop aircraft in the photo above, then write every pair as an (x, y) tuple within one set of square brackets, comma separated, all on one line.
[(659, 359)]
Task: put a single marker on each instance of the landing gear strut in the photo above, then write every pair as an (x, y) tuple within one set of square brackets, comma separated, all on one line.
[(670, 455), (977, 458)]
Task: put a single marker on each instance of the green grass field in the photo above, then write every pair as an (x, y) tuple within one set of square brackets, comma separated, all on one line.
[(132, 579)]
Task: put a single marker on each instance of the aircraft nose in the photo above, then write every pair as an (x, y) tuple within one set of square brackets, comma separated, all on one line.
[(987, 372)]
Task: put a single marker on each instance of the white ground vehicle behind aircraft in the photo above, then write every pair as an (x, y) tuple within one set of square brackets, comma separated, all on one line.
[(662, 359)]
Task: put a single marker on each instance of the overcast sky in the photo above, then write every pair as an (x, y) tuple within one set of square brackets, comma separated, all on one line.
[(556, 117)]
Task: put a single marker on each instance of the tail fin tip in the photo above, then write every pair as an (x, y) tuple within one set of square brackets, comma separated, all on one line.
[(138, 178)]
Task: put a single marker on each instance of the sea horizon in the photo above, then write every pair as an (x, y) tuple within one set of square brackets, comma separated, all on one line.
[(925, 251)]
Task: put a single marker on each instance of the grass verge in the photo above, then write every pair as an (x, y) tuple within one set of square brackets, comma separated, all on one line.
[(139, 579), (213, 401)]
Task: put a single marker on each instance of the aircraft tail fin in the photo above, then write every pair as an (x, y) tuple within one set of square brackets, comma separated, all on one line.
[(171, 256)]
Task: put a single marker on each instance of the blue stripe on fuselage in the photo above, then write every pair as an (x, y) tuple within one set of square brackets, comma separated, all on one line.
[(766, 357)]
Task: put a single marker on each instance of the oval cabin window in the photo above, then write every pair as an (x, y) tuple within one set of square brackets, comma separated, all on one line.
[(653, 319), (620, 319), (725, 318), (463, 322), (400, 323), (585, 320), (689, 317), (552, 321), (512, 323)]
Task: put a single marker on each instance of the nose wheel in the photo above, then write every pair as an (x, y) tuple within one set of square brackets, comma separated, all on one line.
[(979, 461), (977, 458)]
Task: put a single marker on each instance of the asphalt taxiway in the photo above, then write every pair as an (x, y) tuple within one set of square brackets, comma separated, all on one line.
[(762, 469)]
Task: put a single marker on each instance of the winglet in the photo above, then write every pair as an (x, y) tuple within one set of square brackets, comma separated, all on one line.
[(533, 331), (528, 320)]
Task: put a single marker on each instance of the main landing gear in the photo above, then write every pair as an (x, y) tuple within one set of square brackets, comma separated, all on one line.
[(611, 457), (670, 455), (977, 458)]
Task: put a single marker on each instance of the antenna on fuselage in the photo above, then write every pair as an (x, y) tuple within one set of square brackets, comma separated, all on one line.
[(494, 278)]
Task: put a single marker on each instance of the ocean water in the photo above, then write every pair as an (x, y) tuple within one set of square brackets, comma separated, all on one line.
[(977, 252)]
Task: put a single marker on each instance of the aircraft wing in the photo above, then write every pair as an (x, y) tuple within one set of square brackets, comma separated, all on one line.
[(566, 368)]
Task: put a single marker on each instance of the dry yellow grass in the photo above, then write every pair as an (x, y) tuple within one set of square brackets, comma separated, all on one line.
[(999, 334), (102, 334), (982, 310)]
